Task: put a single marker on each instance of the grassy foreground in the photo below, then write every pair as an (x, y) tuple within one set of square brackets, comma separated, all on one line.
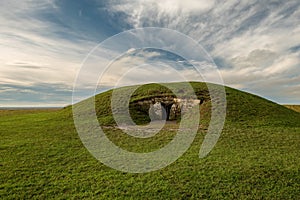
[(257, 157)]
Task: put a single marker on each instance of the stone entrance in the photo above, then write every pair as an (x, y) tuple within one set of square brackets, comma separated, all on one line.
[(167, 108)]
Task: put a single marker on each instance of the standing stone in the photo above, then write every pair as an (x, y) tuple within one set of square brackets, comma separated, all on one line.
[(156, 111)]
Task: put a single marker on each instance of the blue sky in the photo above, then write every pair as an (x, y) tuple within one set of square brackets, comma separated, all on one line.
[(255, 44)]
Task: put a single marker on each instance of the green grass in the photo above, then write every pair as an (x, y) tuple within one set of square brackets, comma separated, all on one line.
[(241, 106), (257, 157)]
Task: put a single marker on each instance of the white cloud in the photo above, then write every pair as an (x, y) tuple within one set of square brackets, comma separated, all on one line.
[(253, 37), (137, 67), (171, 6), (34, 54), (283, 65), (31, 51)]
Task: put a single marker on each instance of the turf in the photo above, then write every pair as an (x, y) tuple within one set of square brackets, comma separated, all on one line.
[(257, 156)]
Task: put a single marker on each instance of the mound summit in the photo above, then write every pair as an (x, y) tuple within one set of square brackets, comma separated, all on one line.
[(242, 107)]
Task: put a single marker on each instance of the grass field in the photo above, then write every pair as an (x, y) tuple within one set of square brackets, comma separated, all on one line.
[(257, 157)]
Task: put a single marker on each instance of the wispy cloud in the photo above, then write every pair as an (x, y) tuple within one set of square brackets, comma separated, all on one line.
[(254, 43), (36, 51), (250, 40)]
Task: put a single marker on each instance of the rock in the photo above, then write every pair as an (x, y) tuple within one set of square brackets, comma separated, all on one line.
[(168, 107)]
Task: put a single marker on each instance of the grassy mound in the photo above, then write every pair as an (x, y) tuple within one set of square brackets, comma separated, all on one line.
[(242, 107), (256, 157)]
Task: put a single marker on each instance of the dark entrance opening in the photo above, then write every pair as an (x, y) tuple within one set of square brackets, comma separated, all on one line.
[(166, 110)]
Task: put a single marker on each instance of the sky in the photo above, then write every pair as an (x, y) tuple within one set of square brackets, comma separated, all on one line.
[(43, 43)]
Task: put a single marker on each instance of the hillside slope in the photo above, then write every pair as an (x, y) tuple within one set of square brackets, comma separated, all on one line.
[(242, 107)]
